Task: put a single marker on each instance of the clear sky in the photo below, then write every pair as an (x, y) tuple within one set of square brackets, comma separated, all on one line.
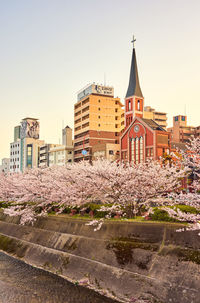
[(52, 48)]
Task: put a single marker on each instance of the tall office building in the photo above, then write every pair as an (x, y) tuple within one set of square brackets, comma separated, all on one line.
[(67, 136), (15, 156), (24, 151), (15, 151), (98, 119), (30, 143), (17, 130)]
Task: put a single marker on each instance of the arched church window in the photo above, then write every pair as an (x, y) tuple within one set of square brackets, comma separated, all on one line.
[(132, 150), (129, 105), (141, 149), (137, 150), (138, 105)]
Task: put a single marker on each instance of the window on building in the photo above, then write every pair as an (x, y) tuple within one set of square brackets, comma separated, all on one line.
[(99, 117), (132, 150), (176, 118), (111, 152), (141, 149), (137, 150), (151, 152), (129, 105), (29, 155), (99, 125), (183, 118), (99, 108), (138, 105), (116, 110)]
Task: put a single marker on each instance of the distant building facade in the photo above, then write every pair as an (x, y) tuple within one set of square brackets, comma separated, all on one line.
[(61, 155), (44, 154), (159, 117), (5, 165), (15, 156), (67, 136), (98, 119), (24, 151), (181, 132), (107, 151)]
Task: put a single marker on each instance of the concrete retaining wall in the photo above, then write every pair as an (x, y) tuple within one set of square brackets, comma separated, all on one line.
[(124, 260)]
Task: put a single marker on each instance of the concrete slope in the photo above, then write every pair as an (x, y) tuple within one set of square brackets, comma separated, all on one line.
[(124, 260)]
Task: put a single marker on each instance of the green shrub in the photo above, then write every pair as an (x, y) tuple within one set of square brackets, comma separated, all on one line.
[(161, 215), (186, 209), (5, 204)]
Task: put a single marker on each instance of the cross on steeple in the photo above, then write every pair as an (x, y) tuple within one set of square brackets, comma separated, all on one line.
[(133, 41)]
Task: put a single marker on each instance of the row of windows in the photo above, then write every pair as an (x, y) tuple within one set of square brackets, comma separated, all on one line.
[(182, 118), (14, 166), (81, 135), (14, 160), (138, 105), (82, 142), (14, 153), (14, 145), (129, 120), (137, 150), (82, 103)]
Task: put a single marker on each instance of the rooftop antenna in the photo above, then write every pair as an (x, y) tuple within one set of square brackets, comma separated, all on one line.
[(185, 109), (104, 79), (133, 41)]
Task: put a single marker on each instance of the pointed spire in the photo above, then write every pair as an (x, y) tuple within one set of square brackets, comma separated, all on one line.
[(134, 85)]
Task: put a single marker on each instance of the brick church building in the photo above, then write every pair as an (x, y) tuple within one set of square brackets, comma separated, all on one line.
[(142, 138)]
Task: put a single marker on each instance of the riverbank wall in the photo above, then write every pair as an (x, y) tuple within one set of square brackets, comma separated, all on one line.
[(149, 262)]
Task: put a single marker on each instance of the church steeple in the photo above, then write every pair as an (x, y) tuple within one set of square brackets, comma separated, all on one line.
[(134, 85), (134, 100)]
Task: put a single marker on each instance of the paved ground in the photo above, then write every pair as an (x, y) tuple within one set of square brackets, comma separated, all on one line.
[(22, 283)]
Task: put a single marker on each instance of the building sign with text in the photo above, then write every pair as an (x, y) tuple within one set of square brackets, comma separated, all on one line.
[(96, 89)]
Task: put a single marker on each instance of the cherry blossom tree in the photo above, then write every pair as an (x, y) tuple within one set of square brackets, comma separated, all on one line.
[(122, 186), (190, 159)]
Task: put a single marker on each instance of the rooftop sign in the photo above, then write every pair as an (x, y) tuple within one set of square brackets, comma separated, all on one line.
[(96, 89)]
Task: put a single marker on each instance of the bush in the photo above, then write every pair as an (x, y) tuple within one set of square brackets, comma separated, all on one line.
[(187, 209), (161, 215), (5, 204)]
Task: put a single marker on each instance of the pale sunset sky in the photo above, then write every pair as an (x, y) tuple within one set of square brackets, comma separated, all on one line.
[(50, 49)]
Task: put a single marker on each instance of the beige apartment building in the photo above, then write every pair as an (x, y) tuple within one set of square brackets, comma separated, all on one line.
[(98, 119), (158, 117), (181, 132)]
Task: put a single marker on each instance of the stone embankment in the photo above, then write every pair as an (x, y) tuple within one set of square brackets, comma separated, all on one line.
[(132, 262)]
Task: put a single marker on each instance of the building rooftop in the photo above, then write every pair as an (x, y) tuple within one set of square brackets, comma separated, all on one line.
[(151, 123), (28, 118)]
